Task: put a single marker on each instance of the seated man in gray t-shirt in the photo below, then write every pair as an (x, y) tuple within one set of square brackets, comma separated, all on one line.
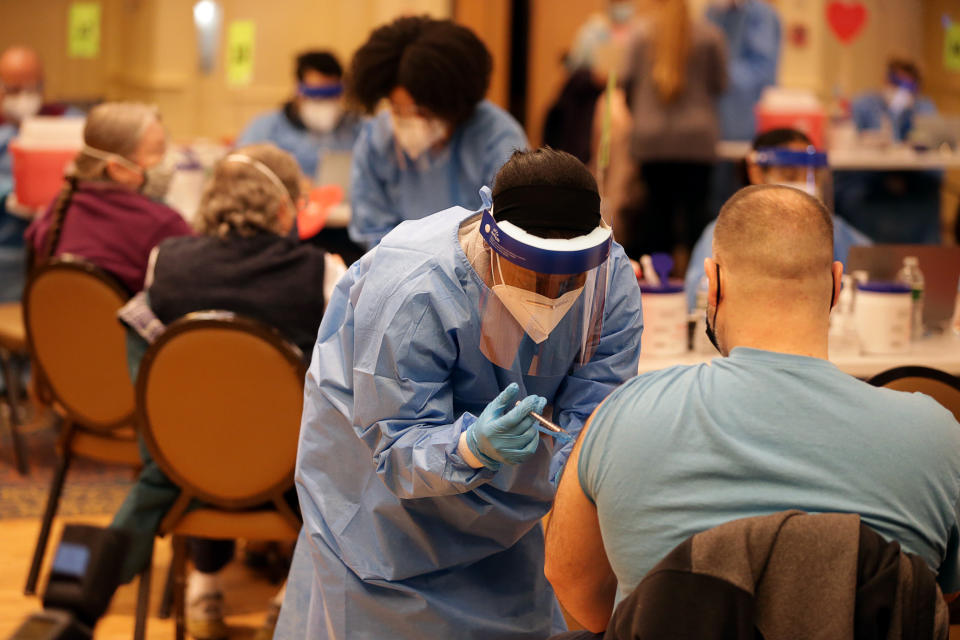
[(771, 426)]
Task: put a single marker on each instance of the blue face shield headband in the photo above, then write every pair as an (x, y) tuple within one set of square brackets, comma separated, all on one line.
[(320, 93), (900, 82), (779, 157)]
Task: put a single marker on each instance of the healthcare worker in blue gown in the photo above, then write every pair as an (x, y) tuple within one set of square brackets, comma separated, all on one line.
[(438, 141), (787, 157), (893, 206), (314, 121), (422, 479)]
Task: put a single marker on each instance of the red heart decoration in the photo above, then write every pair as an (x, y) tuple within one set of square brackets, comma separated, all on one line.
[(847, 19)]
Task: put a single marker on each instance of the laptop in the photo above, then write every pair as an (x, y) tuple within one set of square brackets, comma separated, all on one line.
[(941, 272), (334, 168)]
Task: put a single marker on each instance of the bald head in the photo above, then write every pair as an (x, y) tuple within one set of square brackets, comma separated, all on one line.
[(20, 68), (774, 232), (772, 276)]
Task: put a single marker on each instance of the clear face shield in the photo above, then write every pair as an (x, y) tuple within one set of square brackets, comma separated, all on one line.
[(805, 169), (543, 311)]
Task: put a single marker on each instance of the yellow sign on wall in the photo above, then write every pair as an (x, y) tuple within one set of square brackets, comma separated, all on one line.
[(951, 47), (83, 30), (240, 39)]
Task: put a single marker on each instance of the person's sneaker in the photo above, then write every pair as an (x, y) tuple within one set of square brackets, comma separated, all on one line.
[(205, 617), (265, 632)]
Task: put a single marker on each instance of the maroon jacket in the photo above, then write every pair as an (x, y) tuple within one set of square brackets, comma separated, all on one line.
[(112, 227)]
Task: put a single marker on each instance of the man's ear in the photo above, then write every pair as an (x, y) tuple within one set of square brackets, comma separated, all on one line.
[(710, 268), (837, 272)]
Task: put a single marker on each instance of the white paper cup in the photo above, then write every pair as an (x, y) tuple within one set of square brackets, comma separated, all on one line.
[(882, 311), (665, 326)]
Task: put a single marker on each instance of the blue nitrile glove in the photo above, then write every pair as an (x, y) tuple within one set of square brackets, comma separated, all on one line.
[(502, 435)]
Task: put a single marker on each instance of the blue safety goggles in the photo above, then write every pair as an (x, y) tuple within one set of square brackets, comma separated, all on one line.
[(318, 93), (779, 157), (540, 259)]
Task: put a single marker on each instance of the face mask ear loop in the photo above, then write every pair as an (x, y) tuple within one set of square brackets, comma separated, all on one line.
[(716, 307)]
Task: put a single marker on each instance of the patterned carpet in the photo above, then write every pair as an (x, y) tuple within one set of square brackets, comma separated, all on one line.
[(90, 487)]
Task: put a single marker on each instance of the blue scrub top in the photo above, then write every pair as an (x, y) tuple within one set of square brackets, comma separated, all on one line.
[(753, 45), (401, 537), (292, 136), (844, 237), (387, 187)]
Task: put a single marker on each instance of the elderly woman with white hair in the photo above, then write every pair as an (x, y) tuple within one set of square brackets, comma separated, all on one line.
[(242, 260), (109, 211)]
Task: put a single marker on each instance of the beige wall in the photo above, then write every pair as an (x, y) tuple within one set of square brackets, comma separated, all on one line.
[(149, 50), (490, 20), (197, 104)]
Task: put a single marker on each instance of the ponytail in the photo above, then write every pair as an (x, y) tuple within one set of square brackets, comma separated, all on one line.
[(60, 206)]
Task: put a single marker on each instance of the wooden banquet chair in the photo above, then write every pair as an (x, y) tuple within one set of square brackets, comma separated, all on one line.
[(218, 402), (78, 348)]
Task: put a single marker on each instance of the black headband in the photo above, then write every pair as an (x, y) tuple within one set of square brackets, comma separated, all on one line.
[(549, 208)]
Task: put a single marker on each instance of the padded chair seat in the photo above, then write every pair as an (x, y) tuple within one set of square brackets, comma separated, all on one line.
[(249, 525), (119, 446), (13, 335)]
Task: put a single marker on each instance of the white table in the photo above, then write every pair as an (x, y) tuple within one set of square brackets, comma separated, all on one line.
[(863, 159), (939, 352)]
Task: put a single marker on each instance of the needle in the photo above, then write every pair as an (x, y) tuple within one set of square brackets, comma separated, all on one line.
[(549, 425)]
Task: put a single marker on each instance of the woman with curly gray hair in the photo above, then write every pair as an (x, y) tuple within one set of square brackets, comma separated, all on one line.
[(244, 260)]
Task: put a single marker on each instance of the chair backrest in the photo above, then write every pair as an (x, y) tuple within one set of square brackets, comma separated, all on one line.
[(939, 385), (219, 399), (70, 315)]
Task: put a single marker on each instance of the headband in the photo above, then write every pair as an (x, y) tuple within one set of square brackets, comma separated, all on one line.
[(266, 172), (555, 208)]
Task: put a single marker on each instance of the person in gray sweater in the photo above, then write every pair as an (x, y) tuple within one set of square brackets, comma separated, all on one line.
[(675, 72)]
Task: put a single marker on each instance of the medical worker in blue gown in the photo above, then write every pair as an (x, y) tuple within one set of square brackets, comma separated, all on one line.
[(893, 206), (422, 479), (313, 122), (438, 141), (787, 157)]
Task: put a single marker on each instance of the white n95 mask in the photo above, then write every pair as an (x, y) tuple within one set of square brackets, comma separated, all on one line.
[(537, 314), (415, 134), (320, 116), (20, 106)]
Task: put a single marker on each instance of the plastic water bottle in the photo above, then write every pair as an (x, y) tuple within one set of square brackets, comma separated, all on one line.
[(843, 328), (911, 275)]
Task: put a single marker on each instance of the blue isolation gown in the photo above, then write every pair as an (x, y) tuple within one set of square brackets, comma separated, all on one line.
[(844, 237), (293, 137), (387, 187), (401, 538)]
